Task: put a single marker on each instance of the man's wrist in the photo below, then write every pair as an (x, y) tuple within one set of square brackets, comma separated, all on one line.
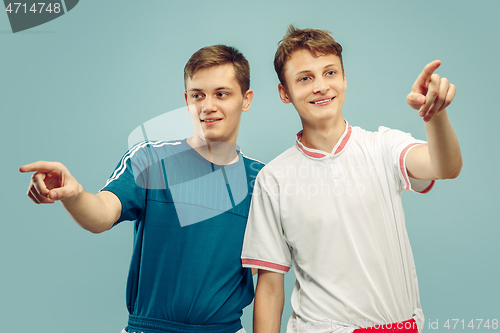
[(75, 198), (437, 118)]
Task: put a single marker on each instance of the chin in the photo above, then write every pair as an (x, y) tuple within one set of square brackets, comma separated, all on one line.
[(316, 118), (214, 138)]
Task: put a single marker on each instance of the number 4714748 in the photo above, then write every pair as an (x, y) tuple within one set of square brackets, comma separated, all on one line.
[(474, 323), (49, 8)]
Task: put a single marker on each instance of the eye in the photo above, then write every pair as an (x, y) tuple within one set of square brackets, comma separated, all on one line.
[(196, 96), (304, 79), (222, 94), (331, 73)]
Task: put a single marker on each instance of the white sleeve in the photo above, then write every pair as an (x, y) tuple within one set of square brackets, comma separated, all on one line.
[(264, 245), (396, 145)]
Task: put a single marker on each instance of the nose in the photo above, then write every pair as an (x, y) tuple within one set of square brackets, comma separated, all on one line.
[(320, 85), (208, 105)]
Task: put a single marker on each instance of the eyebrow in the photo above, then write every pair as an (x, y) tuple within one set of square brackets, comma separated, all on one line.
[(309, 71), (216, 89)]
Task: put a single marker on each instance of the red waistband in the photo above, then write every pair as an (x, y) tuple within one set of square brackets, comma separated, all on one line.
[(408, 326)]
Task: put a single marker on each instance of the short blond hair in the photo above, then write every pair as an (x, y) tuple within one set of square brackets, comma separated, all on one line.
[(319, 42), (217, 55)]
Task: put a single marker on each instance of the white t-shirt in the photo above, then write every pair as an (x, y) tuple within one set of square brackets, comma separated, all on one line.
[(338, 217)]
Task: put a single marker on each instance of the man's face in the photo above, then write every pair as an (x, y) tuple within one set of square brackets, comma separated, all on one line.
[(215, 102), (315, 86)]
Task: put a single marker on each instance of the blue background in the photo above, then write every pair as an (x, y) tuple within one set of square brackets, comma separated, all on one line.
[(73, 89)]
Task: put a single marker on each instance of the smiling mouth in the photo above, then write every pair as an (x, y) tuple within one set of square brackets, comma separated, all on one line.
[(323, 100), (210, 120)]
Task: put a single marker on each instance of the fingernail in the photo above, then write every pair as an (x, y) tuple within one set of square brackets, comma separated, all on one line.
[(421, 113), (421, 99), (426, 119)]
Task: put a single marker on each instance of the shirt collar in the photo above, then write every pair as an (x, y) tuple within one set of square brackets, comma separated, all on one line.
[(318, 154)]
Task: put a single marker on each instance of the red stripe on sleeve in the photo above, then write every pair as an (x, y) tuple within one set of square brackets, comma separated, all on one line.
[(402, 163), (265, 264), (428, 188)]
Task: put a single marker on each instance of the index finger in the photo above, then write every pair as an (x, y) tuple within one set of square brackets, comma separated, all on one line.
[(426, 74), (40, 166)]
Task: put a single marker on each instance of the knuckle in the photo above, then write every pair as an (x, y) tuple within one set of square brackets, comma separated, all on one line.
[(432, 92)]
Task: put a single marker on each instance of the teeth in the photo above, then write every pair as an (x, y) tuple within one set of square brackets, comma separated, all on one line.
[(210, 121), (323, 101)]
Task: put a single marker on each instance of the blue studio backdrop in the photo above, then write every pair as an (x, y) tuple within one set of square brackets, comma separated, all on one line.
[(74, 86)]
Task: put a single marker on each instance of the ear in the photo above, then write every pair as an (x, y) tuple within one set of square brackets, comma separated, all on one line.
[(186, 97), (345, 82), (247, 100), (283, 94)]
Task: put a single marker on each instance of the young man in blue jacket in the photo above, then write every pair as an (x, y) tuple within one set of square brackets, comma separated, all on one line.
[(189, 199)]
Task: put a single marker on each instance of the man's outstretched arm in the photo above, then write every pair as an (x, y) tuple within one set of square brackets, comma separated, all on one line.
[(441, 158), (52, 181), (268, 304)]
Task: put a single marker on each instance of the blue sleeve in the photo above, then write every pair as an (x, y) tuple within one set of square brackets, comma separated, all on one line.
[(127, 183)]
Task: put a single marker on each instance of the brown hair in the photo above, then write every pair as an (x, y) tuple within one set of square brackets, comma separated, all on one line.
[(319, 42), (217, 55)]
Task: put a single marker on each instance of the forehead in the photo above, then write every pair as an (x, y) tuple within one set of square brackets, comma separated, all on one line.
[(303, 60), (213, 77)]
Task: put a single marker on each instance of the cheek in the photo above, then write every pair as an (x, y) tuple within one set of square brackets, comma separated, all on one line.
[(296, 95), (340, 85), (194, 112), (234, 117), (301, 94)]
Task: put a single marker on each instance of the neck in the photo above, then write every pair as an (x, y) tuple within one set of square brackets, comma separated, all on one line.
[(323, 136), (221, 153)]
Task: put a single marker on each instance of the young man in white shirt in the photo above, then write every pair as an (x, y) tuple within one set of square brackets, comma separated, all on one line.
[(331, 204)]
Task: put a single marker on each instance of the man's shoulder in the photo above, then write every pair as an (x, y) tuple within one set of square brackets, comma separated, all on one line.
[(156, 144), (159, 149), (380, 130), (285, 157), (361, 134), (252, 163), (288, 158)]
